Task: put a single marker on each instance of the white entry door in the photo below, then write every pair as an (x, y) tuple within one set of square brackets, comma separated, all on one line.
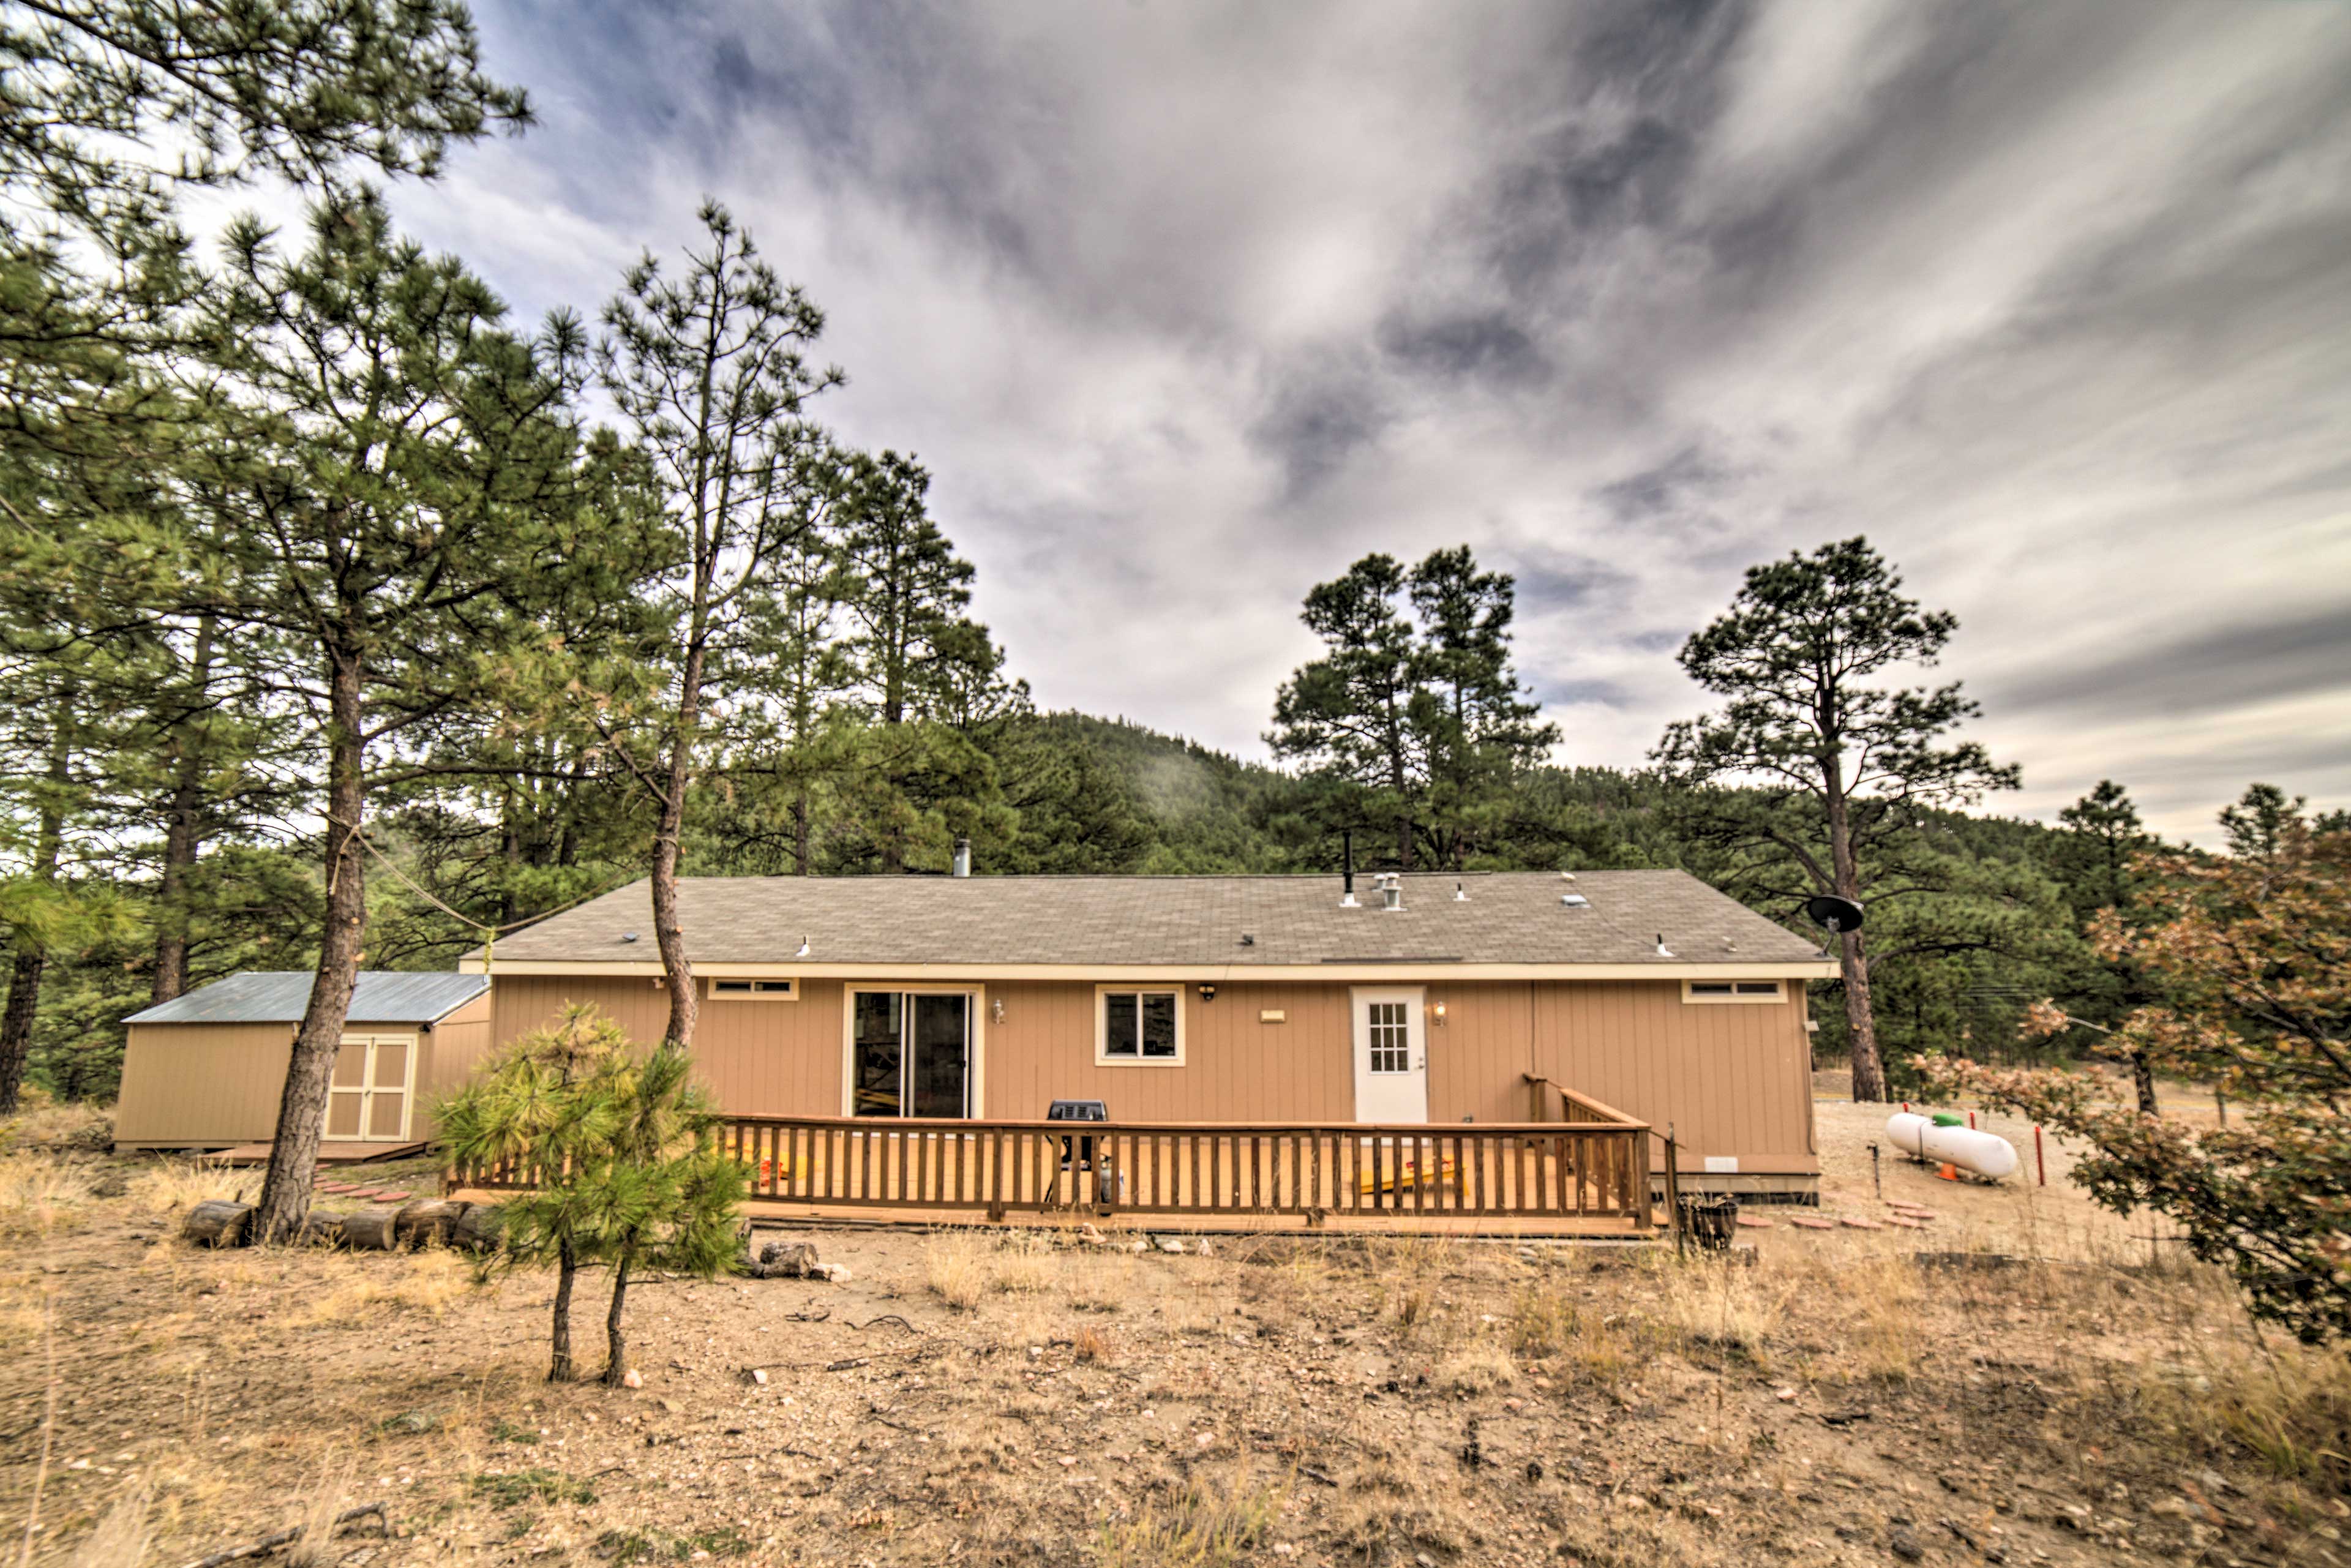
[(1391, 1057)]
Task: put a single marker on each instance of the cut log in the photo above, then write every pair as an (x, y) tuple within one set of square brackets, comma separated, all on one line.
[(481, 1229), (428, 1221), (369, 1229), (217, 1223), (321, 1228)]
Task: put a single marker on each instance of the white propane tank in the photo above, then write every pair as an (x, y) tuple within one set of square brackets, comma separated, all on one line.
[(1986, 1154)]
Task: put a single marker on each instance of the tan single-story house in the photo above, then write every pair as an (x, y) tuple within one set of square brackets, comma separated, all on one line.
[(1207, 999), (206, 1070)]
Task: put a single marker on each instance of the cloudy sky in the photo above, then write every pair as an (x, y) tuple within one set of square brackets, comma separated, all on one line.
[(1187, 306)]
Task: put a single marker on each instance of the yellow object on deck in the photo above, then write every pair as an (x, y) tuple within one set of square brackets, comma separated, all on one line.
[(1411, 1173)]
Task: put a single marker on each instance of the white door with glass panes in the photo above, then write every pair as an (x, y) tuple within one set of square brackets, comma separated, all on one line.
[(1391, 1057), (368, 1101)]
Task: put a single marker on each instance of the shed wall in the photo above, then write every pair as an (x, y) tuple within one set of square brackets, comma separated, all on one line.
[(202, 1083)]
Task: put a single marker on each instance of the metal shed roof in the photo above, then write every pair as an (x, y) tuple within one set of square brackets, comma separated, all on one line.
[(264, 995)]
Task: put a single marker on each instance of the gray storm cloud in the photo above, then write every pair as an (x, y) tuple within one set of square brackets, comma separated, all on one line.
[(1187, 305)]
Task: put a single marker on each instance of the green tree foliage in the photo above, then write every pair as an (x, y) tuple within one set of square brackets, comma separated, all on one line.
[(550, 1103), (1835, 770), (623, 1146), (2251, 956), (294, 89), (710, 369), (2098, 857), (404, 454), (1413, 721)]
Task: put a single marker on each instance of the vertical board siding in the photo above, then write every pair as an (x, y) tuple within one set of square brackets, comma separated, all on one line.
[(1235, 1069), (452, 1048), (1733, 1079), (202, 1082), (759, 1058)]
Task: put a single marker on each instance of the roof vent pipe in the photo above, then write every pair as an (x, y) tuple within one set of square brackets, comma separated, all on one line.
[(1458, 895), (1347, 876), (1392, 892), (963, 857)]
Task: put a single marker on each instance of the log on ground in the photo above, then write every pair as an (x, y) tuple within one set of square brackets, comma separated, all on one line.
[(481, 1229), (369, 1229), (218, 1223), (426, 1221)]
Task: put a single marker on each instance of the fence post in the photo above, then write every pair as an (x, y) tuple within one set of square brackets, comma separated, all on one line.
[(1674, 1191)]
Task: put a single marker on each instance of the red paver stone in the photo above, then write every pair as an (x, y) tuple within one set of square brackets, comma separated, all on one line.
[(1754, 1222), (1860, 1224), (1813, 1224)]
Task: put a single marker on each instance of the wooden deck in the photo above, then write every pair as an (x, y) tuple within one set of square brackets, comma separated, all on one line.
[(1580, 1179)]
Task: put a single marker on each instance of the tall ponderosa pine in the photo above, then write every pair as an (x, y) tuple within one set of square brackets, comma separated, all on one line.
[(1834, 772), (710, 369), (410, 450), (2103, 845), (1414, 714), (925, 673)]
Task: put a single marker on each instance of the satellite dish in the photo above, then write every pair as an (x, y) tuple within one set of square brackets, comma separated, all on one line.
[(1836, 913)]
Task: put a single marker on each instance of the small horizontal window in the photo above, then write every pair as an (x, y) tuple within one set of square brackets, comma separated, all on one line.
[(1139, 1027), (1733, 991), (755, 990)]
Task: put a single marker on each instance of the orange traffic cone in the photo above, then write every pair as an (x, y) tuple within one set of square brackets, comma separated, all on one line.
[(1949, 1173)]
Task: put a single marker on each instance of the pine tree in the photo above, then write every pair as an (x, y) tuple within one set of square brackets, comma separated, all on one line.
[(926, 672), (411, 448), (549, 1103), (2104, 845), (1838, 770), (1412, 720), (710, 371)]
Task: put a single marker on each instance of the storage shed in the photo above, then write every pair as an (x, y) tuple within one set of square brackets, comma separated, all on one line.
[(206, 1070)]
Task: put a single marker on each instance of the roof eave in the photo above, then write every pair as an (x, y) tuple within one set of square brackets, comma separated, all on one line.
[(1816, 968)]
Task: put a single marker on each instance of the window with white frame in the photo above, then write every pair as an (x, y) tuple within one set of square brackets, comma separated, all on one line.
[(1733, 991), (1138, 1026), (755, 990)]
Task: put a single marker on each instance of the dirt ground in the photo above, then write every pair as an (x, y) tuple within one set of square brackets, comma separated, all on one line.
[(1018, 1397)]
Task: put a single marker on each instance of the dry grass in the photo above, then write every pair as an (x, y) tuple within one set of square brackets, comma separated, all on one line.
[(2290, 1405), (316, 1548), (1708, 1302), (964, 1268), (42, 1121), (123, 1535), (431, 1282), (954, 1268), (37, 1189), (1024, 1263), (1203, 1527), (1477, 1366), (175, 1186)]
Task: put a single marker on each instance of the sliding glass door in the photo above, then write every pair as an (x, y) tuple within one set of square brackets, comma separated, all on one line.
[(910, 1053)]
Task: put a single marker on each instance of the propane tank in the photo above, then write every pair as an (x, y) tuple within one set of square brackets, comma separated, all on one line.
[(1982, 1154)]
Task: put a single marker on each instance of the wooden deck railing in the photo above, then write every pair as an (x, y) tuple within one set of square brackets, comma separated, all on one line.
[(1580, 1176)]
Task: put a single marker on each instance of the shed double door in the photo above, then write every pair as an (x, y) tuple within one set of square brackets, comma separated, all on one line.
[(375, 1079)]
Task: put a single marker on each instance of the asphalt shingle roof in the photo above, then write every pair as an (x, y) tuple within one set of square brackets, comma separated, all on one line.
[(279, 996), (1507, 918)]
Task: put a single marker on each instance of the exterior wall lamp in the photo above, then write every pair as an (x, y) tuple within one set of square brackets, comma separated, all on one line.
[(1438, 1011), (1208, 993)]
